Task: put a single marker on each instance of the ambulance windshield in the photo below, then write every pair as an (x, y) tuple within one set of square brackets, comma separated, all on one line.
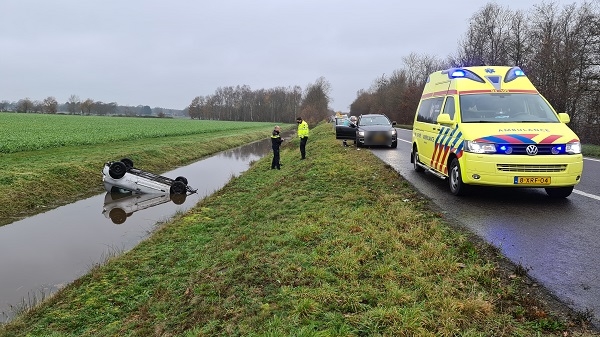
[(505, 108)]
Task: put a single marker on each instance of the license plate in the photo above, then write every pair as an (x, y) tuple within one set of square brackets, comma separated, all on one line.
[(379, 138), (532, 180)]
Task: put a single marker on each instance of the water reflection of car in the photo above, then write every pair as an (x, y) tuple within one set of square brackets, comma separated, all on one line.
[(119, 203), (371, 129), (123, 175)]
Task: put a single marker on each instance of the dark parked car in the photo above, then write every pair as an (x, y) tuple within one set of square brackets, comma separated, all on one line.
[(371, 129)]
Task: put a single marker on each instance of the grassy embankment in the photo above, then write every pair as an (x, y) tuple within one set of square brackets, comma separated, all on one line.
[(51, 160), (335, 245)]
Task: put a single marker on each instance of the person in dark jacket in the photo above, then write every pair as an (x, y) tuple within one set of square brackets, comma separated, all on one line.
[(276, 141)]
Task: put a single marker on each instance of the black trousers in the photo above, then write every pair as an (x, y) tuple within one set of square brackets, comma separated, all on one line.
[(303, 146), (275, 162)]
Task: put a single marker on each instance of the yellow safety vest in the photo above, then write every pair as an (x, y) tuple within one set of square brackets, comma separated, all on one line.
[(303, 129)]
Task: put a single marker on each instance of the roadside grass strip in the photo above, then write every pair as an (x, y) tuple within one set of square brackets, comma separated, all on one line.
[(334, 245)]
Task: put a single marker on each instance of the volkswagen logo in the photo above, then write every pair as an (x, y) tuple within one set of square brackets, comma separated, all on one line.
[(532, 150)]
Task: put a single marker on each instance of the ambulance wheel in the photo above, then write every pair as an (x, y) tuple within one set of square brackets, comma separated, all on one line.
[(457, 187), (128, 162), (559, 192), (415, 161), (178, 187), (117, 170), (117, 215), (182, 179)]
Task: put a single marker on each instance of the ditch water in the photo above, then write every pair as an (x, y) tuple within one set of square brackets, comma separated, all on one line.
[(43, 253)]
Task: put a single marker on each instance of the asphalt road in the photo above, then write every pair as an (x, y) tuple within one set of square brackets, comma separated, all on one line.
[(557, 241)]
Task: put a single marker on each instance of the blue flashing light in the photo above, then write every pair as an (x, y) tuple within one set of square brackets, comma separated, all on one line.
[(462, 73), (513, 73), (458, 73), (503, 148)]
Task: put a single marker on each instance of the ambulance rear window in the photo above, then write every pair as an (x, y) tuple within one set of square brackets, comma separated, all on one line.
[(505, 108)]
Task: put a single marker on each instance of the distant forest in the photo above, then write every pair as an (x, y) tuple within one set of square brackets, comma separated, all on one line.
[(558, 48), (75, 106)]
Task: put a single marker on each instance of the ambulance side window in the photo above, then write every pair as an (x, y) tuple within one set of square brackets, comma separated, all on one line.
[(429, 110), (449, 106)]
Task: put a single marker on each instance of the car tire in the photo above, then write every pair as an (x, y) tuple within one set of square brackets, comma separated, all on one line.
[(117, 215), (128, 162), (117, 170), (394, 145), (178, 187), (457, 187), (559, 192), (182, 179), (416, 165), (178, 199)]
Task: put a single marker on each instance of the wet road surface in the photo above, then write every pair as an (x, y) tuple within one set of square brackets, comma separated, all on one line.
[(556, 240), (43, 253)]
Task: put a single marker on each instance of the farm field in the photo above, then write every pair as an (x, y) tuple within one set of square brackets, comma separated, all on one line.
[(31, 132), (50, 160)]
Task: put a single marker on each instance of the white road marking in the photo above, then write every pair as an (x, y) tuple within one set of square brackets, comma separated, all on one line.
[(587, 194), (592, 159)]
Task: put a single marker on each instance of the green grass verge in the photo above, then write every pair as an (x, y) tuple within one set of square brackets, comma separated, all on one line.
[(35, 181), (591, 150), (335, 245)]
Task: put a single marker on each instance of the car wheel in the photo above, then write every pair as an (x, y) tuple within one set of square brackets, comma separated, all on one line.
[(117, 215), (457, 187), (394, 145), (117, 170), (178, 187), (182, 179), (178, 199), (358, 144), (416, 165), (128, 162), (559, 192)]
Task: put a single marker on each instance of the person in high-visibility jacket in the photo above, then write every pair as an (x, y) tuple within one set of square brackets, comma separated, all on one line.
[(303, 134), (276, 141)]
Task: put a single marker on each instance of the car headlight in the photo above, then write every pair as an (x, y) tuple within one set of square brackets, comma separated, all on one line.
[(477, 147), (393, 132), (361, 133), (573, 148)]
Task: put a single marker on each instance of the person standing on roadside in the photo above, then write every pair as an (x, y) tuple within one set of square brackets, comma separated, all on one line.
[(303, 134), (276, 141)]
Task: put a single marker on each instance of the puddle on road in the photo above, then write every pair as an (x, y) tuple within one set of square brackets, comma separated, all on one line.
[(43, 253)]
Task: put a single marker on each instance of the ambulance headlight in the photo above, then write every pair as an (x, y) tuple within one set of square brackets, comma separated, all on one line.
[(478, 147), (573, 148)]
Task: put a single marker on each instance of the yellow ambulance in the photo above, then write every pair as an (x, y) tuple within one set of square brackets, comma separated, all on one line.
[(488, 125)]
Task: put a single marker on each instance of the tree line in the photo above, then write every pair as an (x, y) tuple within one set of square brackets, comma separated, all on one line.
[(557, 47), (280, 104), (75, 106)]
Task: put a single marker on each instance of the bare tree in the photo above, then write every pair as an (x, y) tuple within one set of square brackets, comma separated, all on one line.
[(87, 106), (74, 104), (25, 105), (50, 105)]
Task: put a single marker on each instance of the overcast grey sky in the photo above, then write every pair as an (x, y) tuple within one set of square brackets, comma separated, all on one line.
[(164, 53)]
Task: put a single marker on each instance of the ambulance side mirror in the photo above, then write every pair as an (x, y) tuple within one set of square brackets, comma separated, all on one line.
[(564, 117), (444, 119)]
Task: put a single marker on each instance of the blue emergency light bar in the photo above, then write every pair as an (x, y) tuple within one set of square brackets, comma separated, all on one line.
[(462, 73), (513, 73)]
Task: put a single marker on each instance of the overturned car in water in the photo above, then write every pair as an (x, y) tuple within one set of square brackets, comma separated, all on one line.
[(121, 174)]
